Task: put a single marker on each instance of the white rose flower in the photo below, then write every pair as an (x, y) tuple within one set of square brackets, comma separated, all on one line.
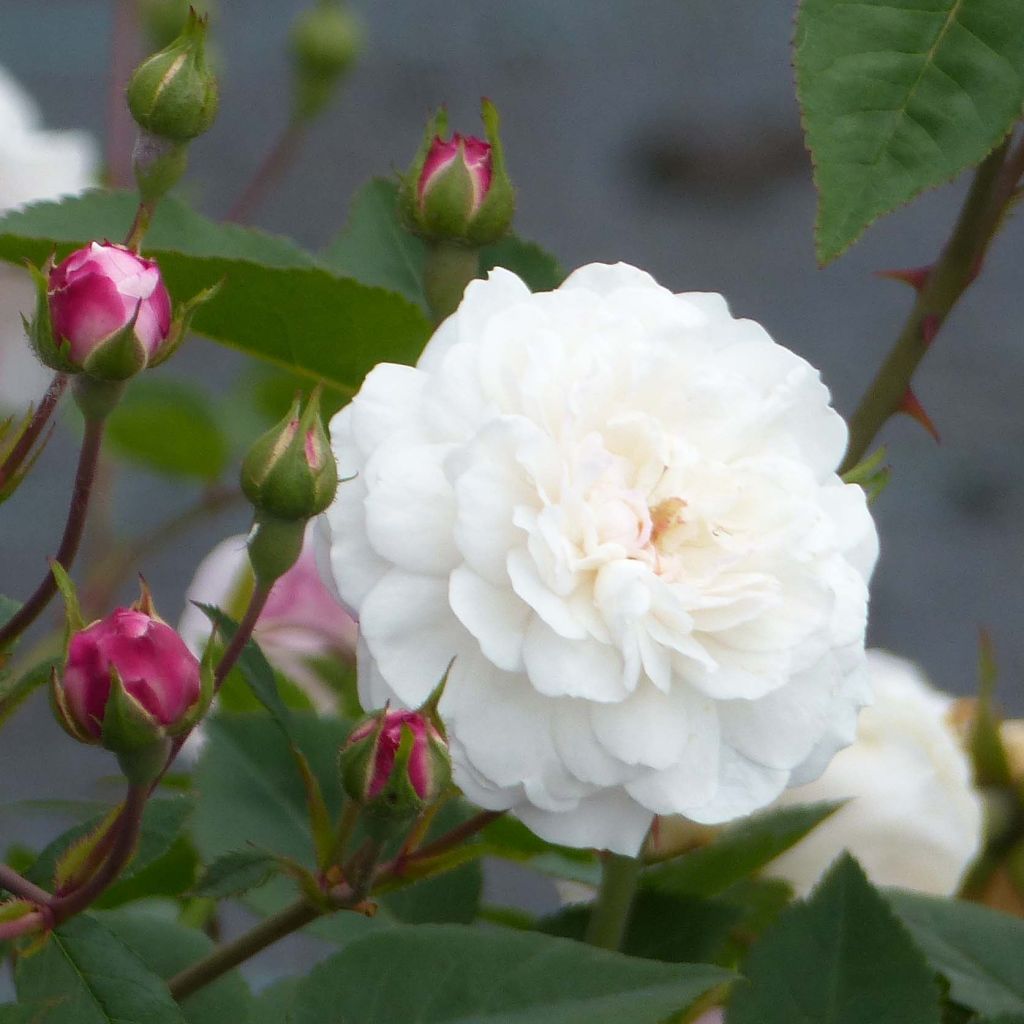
[(914, 819), (616, 509), (35, 164)]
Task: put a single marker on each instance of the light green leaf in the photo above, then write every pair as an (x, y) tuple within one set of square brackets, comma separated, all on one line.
[(840, 958), (169, 426), (976, 949), (899, 96), (166, 948), (277, 302), (738, 852), (457, 975), (86, 975)]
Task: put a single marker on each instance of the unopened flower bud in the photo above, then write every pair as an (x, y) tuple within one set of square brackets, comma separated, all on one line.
[(325, 42), (129, 683), (173, 94), (457, 190), (103, 311), (394, 764), (289, 473)]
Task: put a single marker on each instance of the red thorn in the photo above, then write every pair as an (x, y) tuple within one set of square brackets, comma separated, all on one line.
[(930, 324), (916, 277), (912, 407)]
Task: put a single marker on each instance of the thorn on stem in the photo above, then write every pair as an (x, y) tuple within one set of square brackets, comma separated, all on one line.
[(913, 408), (930, 324), (916, 277)]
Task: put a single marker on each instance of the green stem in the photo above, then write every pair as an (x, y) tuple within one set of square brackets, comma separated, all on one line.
[(449, 269), (72, 537), (610, 913), (295, 916), (991, 191)]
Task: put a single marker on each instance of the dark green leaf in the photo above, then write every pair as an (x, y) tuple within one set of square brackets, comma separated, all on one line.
[(840, 958), (738, 852), (899, 96), (170, 427), (236, 873), (978, 950), (275, 1002), (166, 948), (86, 975), (539, 269), (456, 975), (277, 302), (676, 929)]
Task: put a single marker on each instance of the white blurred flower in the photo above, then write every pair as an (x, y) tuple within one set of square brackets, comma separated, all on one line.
[(914, 819), (616, 508), (300, 621), (35, 164)]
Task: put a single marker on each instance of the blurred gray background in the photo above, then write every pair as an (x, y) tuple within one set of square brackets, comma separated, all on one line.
[(665, 134)]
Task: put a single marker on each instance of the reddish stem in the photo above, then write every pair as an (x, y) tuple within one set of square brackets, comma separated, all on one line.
[(31, 922), (274, 165), (73, 529), (21, 887), (123, 57), (30, 434)]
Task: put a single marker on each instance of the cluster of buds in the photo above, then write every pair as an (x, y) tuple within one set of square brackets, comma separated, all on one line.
[(289, 476), (129, 684), (457, 190), (393, 765), (325, 42)]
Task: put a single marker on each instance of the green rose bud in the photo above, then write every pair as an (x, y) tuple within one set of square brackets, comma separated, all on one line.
[(325, 42), (173, 94)]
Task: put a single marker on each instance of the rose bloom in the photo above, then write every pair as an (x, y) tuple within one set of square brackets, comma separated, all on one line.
[(35, 164), (913, 819), (614, 512), (301, 620)]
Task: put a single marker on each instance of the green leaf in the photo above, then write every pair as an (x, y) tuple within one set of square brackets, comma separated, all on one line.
[(978, 950), (738, 852), (86, 975), (236, 873), (899, 96), (14, 690), (161, 865), (166, 948), (840, 958), (456, 975), (277, 302), (675, 929), (275, 1002), (170, 427), (376, 248)]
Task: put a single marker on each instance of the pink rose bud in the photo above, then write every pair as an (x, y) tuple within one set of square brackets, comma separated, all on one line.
[(394, 764), (457, 190), (109, 311), (157, 673), (474, 170)]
